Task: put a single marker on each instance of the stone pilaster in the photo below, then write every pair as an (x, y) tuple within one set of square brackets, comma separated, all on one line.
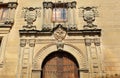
[(88, 44), (71, 16), (26, 57), (11, 12), (94, 57)]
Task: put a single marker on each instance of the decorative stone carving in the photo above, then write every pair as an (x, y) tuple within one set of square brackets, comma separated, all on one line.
[(97, 41), (47, 5), (32, 42), (73, 4), (69, 5), (60, 34), (12, 4), (60, 45), (88, 42), (89, 14), (44, 4), (72, 27), (22, 42), (30, 16)]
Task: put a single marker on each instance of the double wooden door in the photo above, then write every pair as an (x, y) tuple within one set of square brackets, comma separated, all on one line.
[(60, 65)]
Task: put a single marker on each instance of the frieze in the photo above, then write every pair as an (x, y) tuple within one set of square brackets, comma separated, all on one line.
[(45, 41)]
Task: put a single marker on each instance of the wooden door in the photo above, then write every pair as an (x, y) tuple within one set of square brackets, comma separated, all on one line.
[(60, 65)]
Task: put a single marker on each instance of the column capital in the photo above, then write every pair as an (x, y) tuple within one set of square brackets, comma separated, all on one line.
[(97, 41), (88, 41), (12, 4), (22, 42), (32, 42)]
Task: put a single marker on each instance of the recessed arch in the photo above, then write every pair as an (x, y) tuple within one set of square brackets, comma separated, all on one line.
[(45, 51), (60, 53), (60, 64)]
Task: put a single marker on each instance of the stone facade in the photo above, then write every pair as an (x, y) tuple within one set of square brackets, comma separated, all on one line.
[(29, 35)]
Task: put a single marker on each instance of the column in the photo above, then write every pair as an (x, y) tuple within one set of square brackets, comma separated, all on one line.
[(94, 56), (88, 44), (21, 50), (95, 61), (25, 58), (47, 15), (31, 45), (44, 14), (74, 15), (3, 40), (11, 14), (100, 55), (71, 15)]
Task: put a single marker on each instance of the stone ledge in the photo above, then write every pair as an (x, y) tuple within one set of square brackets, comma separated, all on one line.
[(90, 32)]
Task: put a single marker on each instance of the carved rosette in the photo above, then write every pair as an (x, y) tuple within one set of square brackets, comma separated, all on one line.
[(60, 34)]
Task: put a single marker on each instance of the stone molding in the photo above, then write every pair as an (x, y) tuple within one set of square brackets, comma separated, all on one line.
[(39, 57)]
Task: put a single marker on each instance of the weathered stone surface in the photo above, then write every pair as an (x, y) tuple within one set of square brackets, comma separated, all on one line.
[(109, 47)]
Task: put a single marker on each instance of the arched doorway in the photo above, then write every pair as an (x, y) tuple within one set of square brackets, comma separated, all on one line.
[(60, 64)]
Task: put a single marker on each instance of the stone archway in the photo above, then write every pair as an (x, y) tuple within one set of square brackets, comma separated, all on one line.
[(60, 64), (45, 51)]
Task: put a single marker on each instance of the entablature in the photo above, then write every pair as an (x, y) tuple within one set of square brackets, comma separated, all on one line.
[(90, 32)]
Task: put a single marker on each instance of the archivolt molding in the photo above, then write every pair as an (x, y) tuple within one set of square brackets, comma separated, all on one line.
[(45, 51)]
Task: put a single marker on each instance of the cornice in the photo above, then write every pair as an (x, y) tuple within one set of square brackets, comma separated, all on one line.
[(84, 32)]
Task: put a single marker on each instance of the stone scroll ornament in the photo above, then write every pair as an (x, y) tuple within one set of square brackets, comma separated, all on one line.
[(30, 15), (89, 14)]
